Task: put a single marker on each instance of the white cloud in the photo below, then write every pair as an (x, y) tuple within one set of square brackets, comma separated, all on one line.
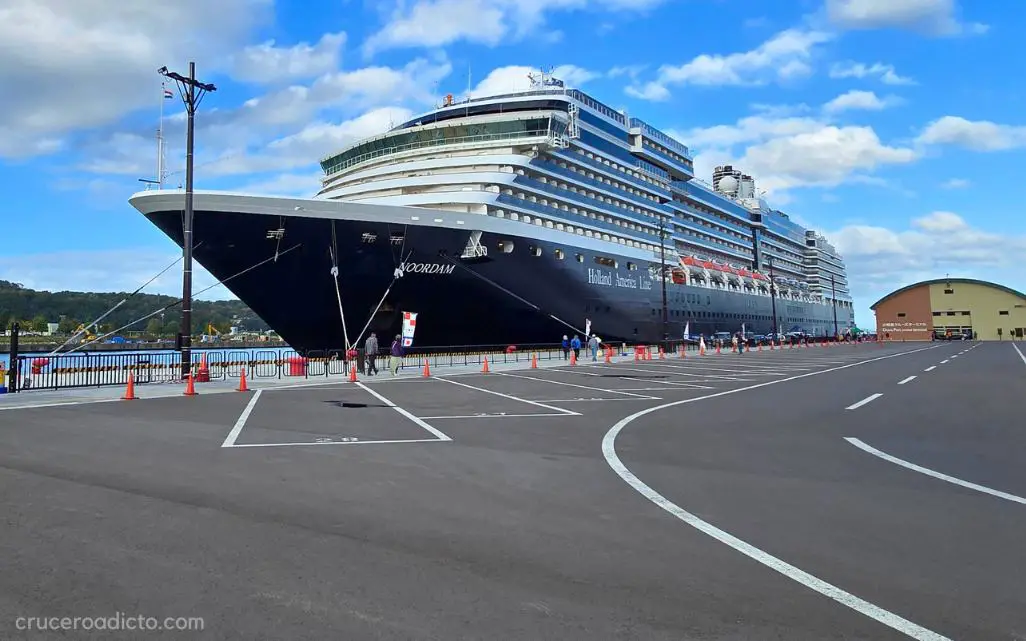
[(236, 140), (436, 23), (783, 57), (979, 135), (956, 183), (298, 184), (859, 100), (514, 78), (886, 73), (267, 63), (114, 270), (54, 52), (826, 157), (311, 143), (936, 17), (940, 242)]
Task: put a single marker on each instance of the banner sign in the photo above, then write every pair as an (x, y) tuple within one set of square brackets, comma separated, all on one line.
[(587, 327), (409, 327)]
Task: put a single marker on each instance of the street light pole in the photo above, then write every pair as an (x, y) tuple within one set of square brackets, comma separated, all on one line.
[(773, 295), (192, 92), (833, 299), (662, 278)]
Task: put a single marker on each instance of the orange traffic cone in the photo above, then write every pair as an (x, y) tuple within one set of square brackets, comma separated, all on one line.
[(683, 350), (352, 372), (190, 386), (242, 382), (718, 350), (637, 354), (484, 367), (427, 368), (662, 354), (573, 358), (130, 389), (609, 356), (534, 361)]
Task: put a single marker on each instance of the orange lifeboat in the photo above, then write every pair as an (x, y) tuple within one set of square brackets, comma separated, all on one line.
[(679, 277)]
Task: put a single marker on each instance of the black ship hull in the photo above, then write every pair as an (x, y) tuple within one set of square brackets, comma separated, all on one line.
[(533, 294)]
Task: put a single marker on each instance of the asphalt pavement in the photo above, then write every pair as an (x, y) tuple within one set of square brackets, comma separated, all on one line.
[(814, 493)]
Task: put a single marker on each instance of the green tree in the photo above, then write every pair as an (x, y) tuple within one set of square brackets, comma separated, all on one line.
[(39, 324), (154, 327), (67, 325)]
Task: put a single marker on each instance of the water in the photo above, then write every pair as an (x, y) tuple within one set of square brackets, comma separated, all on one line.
[(163, 355)]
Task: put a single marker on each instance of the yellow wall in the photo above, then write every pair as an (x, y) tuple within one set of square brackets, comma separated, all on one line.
[(984, 305)]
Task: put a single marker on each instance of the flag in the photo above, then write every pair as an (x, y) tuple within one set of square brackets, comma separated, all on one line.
[(167, 94), (687, 330), (587, 327), (409, 327)]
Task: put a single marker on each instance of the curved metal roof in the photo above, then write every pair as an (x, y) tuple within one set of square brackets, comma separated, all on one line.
[(937, 281)]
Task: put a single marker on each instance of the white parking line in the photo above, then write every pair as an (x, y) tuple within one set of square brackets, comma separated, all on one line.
[(229, 441), (1016, 348), (511, 397), (906, 380), (937, 475), (401, 411), (944, 361), (930, 368), (796, 574), (596, 389), (865, 401)]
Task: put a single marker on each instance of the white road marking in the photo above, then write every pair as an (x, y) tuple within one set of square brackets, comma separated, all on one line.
[(906, 380), (649, 370), (954, 356), (855, 603), (937, 475), (32, 406), (1016, 348), (410, 440), (240, 423), (865, 401), (495, 415), (597, 389), (930, 368), (511, 397), (418, 421), (944, 361)]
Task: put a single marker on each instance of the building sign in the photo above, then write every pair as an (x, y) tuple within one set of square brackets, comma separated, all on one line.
[(610, 279), (904, 327), (426, 268)]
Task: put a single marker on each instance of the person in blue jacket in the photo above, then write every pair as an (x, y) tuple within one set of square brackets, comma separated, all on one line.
[(575, 345), (566, 348)]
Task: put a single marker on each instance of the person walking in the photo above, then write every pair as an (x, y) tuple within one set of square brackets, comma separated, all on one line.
[(370, 349), (575, 344), (396, 358), (593, 345), (566, 348)]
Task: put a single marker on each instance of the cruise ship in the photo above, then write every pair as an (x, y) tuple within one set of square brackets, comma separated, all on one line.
[(515, 219)]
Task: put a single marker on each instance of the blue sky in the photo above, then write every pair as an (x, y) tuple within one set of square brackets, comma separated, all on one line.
[(896, 127)]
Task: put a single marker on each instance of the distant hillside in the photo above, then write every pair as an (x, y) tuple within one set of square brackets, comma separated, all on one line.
[(34, 309)]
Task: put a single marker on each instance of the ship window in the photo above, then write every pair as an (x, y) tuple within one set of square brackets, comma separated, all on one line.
[(369, 238), (560, 255), (631, 266), (607, 262), (580, 258), (1004, 313), (536, 251), (949, 291), (936, 313), (506, 246), (902, 315)]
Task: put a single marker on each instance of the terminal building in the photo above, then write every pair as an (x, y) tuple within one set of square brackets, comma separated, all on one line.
[(951, 307)]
